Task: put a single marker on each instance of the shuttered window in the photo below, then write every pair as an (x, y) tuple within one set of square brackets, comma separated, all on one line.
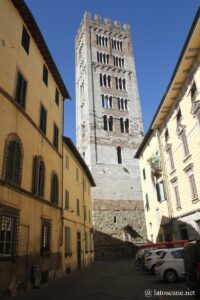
[(177, 197), (193, 186), (54, 189), (55, 136), (25, 40), (147, 202), (171, 159), (57, 97), (66, 200), (77, 207), (86, 243), (43, 119), (13, 162), (160, 190), (45, 75), (185, 144), (21, 90), (67, 241), (38, 176)]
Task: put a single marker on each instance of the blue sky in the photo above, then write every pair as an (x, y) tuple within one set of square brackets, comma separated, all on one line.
[(159, 30)]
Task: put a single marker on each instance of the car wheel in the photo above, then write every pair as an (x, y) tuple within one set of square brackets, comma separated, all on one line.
[(153, 269), (170, 276)]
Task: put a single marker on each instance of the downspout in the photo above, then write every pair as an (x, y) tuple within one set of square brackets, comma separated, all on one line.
[(166, 184)]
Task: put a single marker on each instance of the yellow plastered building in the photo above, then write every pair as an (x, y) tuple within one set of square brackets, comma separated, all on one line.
[(170, 152), (33, 218), (78, 250)]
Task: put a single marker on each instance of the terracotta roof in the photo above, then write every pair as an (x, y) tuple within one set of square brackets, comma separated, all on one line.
[(78, 156), (40, 42)]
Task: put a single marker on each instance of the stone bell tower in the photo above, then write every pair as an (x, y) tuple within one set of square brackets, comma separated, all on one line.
[(109, 126)]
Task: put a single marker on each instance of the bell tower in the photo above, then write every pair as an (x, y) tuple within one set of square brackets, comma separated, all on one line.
[(109, 125)]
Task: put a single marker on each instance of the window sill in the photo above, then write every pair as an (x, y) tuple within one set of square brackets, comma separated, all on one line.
[(195, 200), (68, 254), (178, 207), (187, 157), (8, 258), (162, 200), (172, 171)]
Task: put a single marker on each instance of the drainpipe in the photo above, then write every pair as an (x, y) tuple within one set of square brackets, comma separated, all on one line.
[(165, 177)]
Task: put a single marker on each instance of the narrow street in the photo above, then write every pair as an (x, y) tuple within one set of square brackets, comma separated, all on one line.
[(111, 280)]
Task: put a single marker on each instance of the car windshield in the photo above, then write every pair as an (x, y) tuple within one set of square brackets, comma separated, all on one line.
[(149, 253), (159, 252), (178, 253)]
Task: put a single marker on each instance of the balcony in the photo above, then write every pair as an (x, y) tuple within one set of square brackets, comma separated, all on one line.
[(155, 164)]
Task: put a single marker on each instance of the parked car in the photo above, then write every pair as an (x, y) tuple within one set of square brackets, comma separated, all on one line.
[(139, 258), (150, 259), (192, 265), (170, 265)]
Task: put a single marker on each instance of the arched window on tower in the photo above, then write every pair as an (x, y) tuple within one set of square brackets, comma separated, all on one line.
[(109, 81), (119, 155), (126, 104), (127, 125), (110, 101), (105, 125), (106, 41), (110, 123), (103, 40), (120, 83), (104, 80), (124, 84), (107, 58), (101, 79), (122, 104), (100, 55), (122, 124), (117, 45), (116, 81), (104, 58)]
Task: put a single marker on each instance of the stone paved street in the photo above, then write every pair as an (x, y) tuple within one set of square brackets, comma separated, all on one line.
[(111, 280)]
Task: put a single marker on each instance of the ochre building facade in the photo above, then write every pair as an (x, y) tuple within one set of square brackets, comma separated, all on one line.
[(78, 250), (32, 221)]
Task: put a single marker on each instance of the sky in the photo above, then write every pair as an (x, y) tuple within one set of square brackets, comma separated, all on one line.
[(159, 30)]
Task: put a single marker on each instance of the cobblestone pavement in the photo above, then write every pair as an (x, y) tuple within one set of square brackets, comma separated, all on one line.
[(109, 280)]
